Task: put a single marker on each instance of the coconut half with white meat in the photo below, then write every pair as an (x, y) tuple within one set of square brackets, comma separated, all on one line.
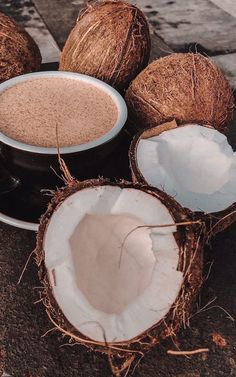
[(121, 265), (194, 164)]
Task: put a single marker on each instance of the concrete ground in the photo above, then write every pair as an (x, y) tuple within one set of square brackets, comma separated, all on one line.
[(24, 350)]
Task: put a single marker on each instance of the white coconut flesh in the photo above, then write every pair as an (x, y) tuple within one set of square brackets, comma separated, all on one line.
[(105, 290), (194, 164)]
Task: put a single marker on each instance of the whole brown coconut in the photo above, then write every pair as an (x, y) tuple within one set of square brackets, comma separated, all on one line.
[(110, 41), (19, 53), (189, 238), (189, 88)]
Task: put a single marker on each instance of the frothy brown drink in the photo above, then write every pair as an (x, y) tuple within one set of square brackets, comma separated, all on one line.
[(36, 111)]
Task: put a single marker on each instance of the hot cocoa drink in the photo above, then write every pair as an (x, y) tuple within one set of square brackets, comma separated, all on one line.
[(52, 111)]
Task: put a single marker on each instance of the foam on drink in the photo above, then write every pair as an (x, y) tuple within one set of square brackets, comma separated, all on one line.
[(31, 111)]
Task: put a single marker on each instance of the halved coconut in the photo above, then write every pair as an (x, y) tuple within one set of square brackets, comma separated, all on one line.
[(192, 163), (121, 265)]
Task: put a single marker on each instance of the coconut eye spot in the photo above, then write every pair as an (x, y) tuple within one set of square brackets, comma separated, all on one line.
[(193, 163), (107, 268)]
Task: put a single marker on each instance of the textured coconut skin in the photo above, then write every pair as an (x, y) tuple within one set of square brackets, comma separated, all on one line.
[(190, 239), (214, 222), (110, 41), (19, 53), (189, 88)]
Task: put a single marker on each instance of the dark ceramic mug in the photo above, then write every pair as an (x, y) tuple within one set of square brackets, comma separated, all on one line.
[(22, 163)]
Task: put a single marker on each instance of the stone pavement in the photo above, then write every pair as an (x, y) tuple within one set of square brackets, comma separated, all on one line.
[(206, 25)]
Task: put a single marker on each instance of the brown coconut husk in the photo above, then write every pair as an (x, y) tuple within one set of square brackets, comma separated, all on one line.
[(190, 239), (19, 53), (215, 222), (110, 41), (189, 88)]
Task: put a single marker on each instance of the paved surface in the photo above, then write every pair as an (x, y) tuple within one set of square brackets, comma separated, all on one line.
[(23, 350), (205, 25)]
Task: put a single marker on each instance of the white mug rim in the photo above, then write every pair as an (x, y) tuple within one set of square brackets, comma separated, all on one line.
[(111, 134)]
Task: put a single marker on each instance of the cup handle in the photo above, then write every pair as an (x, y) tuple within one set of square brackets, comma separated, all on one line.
[(7, 181)]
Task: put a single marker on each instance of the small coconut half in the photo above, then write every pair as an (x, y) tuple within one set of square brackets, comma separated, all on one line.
[(120, 271), (192, 163)]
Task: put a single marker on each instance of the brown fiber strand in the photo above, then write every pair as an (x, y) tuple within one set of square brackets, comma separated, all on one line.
[(223, 222), (67, 177), (183, 353), (25, 266), (155, 227), (91, 342)]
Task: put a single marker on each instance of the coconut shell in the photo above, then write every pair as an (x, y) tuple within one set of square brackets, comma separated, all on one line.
[(215, 222), (110, 41), (190, 239), (189, 88), (19, 53)]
